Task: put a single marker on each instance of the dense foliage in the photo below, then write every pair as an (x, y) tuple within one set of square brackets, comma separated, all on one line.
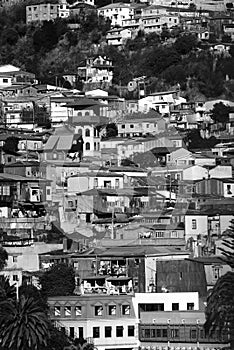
[(50, 49), (220, 302), (58, 280)]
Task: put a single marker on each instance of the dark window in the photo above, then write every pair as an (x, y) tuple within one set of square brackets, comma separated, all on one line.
[(190, 306), (175, 333), (98, 310), (131, 331), (87, 146), (152, 307), (72, 332), (81, 332), (87, 132), (108, 330), (15, 278), (119, 331), (193, 333), (125, 309), (131, 126), (112, 310), (123, 126), (96, 332), (175, 306), (158, 332), (147, 333), (164, 333)]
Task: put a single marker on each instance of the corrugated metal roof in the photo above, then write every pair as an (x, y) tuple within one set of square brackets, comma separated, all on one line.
[(50, 144), (64, 143)]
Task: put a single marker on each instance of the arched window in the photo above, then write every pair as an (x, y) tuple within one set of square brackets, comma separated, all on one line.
[(79, 131), (87, 146), (86, 113), (79, 114), (87, 132)]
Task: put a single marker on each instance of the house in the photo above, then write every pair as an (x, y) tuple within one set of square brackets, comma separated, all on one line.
[(108, 320), (47, 11), (160, 101), (23, 258), (96, 73), (116, 12), (118, 36), (139, 125), (63, 145), (14, 75), (58, 109)]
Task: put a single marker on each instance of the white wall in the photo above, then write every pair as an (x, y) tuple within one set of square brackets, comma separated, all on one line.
[(201, 226)]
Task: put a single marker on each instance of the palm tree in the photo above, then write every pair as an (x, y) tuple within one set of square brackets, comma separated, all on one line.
[(23, 324), (220, 302)]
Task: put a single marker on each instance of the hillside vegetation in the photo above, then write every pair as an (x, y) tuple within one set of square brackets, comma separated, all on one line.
[(51, 49)]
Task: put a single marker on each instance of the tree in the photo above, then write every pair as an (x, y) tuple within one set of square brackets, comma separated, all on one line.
[(3, 257), (58, 280), (220, 302), (11, 145), (23, 324), (7, 291), (185, 44), (111, 130), (220, 113)]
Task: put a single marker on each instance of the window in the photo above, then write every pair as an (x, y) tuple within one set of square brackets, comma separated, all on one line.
[(81, 332), (67, 311), (152, 307), (95, 182), (78, 311), (57, 311), (5, 80), (174, 234), (98, 310), (131, 126), (87, 133), (123, 126), (96, 332), (125, 309), (48, 193), (194, 224), (175, 333), (131, 331), (72, 332), (119, 331), (193, 333), (112, 310), (15, 258), (15, 278), (229, 189), (175, 306), (116, 183), (108, 331), (190, 306), (70, 204), (87, 146)]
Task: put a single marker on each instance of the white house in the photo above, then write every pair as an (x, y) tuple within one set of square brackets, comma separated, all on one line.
[(118, 36), (195, 224), (195, 172), (116, 12), (160, 101)]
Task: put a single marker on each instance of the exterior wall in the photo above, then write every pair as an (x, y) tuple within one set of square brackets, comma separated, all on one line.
[(195, 225), (87, 319), (167, 299), (181, 276), (91, 139), (118, 37), (58, 112), (195, 173), (116, 13), (87, 182), (42, 12), (142, 127), (25, 259), (228, 189), (5, 81), (221, 172)]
